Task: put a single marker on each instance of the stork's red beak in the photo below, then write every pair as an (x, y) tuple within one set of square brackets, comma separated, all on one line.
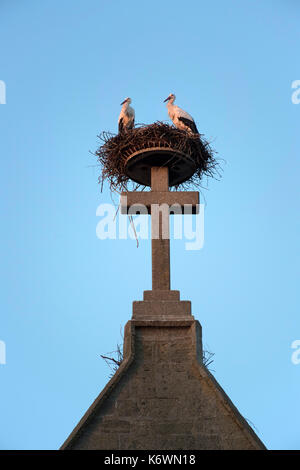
[(123, 102), (167, 99)]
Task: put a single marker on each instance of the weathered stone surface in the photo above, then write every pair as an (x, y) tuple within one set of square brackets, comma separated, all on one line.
[(146, 201), (160, 308), (151, 295), (162, 397)]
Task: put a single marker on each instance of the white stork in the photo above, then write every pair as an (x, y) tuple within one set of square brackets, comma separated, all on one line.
[(127, 115), (180, 118)]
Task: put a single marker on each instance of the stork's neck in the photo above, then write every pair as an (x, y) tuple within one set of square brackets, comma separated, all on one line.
[(170, 102)]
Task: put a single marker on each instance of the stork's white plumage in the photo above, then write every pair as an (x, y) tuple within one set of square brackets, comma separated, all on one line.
[(180, 118), (127, 115)]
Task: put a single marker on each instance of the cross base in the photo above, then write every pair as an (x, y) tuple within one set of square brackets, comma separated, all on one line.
[(163, 305)]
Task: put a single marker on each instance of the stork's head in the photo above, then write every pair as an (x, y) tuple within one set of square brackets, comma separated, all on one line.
[(171, 98), (127, 100)]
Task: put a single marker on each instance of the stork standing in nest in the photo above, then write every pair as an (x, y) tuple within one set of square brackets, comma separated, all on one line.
[(180, 118), (127, 115)]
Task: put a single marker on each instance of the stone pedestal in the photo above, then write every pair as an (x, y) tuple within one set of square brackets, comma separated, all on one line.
[(162, 397)]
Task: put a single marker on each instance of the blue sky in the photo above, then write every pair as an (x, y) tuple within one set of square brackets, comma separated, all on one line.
[(65, 294)]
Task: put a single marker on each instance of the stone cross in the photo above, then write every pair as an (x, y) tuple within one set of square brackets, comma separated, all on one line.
[(160, 202)]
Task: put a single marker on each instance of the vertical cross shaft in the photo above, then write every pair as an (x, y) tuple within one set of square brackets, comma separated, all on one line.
[(160, 203), (160, 233)]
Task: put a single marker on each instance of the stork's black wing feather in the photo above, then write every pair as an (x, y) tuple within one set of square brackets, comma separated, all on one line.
[(121, 125), (189, 124)]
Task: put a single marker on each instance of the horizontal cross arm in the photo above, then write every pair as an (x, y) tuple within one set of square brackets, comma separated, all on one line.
[(179, 199)]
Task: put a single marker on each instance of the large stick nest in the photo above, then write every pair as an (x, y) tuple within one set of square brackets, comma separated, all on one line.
[(115, 150)]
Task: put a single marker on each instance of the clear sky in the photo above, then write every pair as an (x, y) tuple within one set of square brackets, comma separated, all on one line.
[(65, 294)]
